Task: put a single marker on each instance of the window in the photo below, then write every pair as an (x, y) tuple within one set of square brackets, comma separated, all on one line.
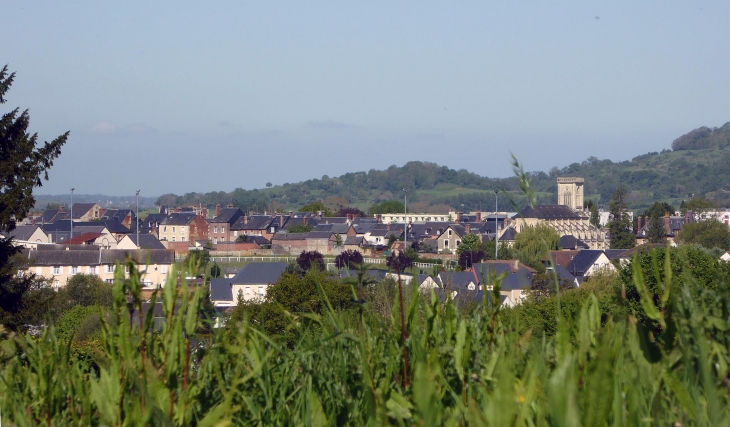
[(223, 229), (215, 229), (471, 286), (446, 243), (57, 270), (235, 234), (173, 229), (39, 271), (93, 270), (182, 239), (272, 229), (215, 240), (126, 269), (56, 284), (109, 268), (248, 290), (173, 238), (74, 270), (164, 229), (449, 233), (458, 242), (164, 269), (261, 290), (110, 281)]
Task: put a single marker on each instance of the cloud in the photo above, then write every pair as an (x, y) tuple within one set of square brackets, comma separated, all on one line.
[(108, 128), (331, 124), (103, 128)]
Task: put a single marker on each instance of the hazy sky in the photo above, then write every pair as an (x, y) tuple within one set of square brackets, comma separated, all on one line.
[(179, 96)]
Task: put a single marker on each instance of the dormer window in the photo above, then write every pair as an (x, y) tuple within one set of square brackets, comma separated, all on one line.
[(471, 286)]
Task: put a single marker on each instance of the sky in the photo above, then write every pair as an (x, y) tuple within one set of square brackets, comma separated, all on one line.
[(178, 97)]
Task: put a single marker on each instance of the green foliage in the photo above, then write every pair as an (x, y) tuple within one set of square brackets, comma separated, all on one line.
[(703, 138), (656, 232), (700, 205), (311, 260), (533, 243), (390, 206), (619, 227), (197, 261), (315, 207), (300, 228), (593, 208), (215, 270), (22, 166), (242, 238), (469, 243), (708, 233)]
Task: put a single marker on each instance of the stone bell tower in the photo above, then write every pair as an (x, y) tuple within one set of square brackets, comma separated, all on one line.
[(570, 192)]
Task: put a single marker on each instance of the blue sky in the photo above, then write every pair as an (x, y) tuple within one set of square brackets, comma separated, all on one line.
[(189, 96)]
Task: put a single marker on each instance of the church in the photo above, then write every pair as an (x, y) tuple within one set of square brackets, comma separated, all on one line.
[(567, 217)]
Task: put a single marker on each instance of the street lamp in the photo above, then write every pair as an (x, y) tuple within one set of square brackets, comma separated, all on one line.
[(136, 219), (496, 227), (405, 221), (71, 231)]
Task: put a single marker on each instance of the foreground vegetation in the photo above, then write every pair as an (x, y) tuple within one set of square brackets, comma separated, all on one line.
[(648, 347)]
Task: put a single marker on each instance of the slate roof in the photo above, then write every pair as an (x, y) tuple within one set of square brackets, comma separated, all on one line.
[(353, 240), (80, 209), (364, 227), (255, 222), (257, 273), (147, 241), (48, 215), (118, 214), (516, 278), (562, 273), (333, 220), (221, 290), (548, 212), (569, 241), (319, 235), (96, 257), (582, 261), (228, 215), (22, 232), (509, 234), (562, 258), (456, 280), (259, 240), (181, 218), (614, 253), (113, 225), (641, 248), (289, 236), (61, 224)]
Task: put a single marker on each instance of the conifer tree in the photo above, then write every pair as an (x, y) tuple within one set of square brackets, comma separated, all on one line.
[(619, 227), (22, 165)]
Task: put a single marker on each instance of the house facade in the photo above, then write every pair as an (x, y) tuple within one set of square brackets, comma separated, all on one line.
[(183, 227)]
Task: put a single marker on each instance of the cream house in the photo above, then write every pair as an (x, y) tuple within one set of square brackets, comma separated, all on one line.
[(28, 236), (59, 265)]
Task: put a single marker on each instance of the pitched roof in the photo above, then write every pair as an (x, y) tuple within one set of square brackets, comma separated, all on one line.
[(253, 222), (113, 225), (373, 274), (23, 232), (179, 218), (516, 278), (353, 240), (569, 241), (96, 257), (509, 234), (548, 212), (82, 238), (228, 215), (221, 290), (80, 209), (146, 241), (456, 280), (582, 261), (257, 273), (562, 258)]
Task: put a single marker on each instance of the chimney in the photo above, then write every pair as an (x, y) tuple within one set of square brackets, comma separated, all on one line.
[(667, 227), (281, 221), (245, 218), (304, 219), (638, 224), (458, 216), (217, 209), (468, 228), (686, 217), (379, 218), (516, 264), (319, 214), (204, 213), (230, 205), (291, 214), (62, 208), (479, 216), (387, 227)]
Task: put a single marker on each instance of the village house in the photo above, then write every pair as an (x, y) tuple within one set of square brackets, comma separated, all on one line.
[(57, 266), (220, 227), (183, 227)]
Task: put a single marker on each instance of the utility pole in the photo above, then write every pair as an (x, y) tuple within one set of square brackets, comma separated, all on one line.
[(136, 219), (496, 226), (71, 231), (405, 221)]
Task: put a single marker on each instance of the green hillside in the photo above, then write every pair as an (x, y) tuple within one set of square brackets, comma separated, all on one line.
[(698, 164)]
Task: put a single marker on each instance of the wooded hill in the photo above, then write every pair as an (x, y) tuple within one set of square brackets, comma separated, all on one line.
[(698, 164)]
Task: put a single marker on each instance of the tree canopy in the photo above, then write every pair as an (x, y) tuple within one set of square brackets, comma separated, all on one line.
[(23, 165), (619, 227), (533, 243), (709, 234)]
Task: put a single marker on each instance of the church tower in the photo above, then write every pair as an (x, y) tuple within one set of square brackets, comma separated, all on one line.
[(570, 192)]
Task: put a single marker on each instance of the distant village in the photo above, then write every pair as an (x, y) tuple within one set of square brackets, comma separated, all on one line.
[(86, 238)]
